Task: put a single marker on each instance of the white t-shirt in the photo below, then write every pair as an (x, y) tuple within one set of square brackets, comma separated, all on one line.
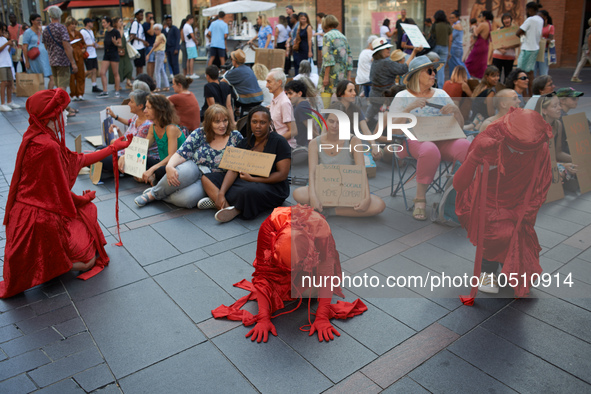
[(364, 66), (383, 31), (319, 38), (5, 58), (533, 33), (283, 34), (207, 40), (138, 30), (88, 36), (188, 29), (403, 99)]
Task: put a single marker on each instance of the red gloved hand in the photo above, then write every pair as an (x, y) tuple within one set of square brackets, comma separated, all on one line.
[(121, 143), (260, 332), (485, 148), (86, 197), (322, 323)]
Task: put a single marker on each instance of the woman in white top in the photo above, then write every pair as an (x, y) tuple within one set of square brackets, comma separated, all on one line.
[(306, 71), (319, 32), (421, 99), (364, 66), (385, 31), (261, 71)]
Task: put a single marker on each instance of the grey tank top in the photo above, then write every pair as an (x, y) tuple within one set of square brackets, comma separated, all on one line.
[(342, 157)]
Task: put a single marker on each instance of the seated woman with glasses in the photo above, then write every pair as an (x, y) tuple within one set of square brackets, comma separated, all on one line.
[(421, 99), (518, 81)]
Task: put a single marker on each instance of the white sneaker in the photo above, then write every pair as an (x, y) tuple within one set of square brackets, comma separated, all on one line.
[(194, 76), (74, 98), (171, 76), (80, 98), (5, 108), (488, 283), (14, 106), (226, 214)]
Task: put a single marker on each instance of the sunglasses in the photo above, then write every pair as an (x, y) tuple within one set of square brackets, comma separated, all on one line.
[(431, 71), (523, 78)]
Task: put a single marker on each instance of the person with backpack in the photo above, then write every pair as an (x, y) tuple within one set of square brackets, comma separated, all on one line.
[(137, 37)]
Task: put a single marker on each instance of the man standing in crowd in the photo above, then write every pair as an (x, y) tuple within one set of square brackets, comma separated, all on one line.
[(61, 57), (191, 44), (91, 62), (281, 109), (15, 30), (530, 45), (218, 33), (289, 10), (173, 38), (148, 26), (137, 37), (399, 30)]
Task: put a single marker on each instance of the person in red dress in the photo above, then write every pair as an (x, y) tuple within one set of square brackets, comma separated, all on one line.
[(49, 229)]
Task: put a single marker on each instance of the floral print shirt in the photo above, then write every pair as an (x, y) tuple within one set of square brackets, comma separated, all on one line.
[(54, 44), (336, 54), (197, 148), (141, 131)]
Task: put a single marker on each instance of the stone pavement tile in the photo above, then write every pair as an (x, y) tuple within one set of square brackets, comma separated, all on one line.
[(291, 373), (214, 327), (49, 319), (373, 256), (356, 383), (424, 234), (9, 332), (106, 213), (240, 240), (557, 313), (50, 304), (557, 225), (132, 191), (83, 182), (576, 203), (30, 342), (246, 252), (193, 291), (125, 183), (122, 270), (135, 242), (65, 367), (255, 223), (549, 265), (205, 220), (402, 222), (151, 209), (562, 253), (176, 262), (183, 234), (578, 294), (110, 389), (226, 269), (94, 378), (336, 359), (53, 288), (404, 386), (566, 213), (549, 238), (350, 243), (466, 318), (149, 326), (67, 386), (16, 315), (68, 346), (586, 255), (456, 242), (17, 385), (199, 369), (553, 345), (373, 229), (581, 240), (157, 218), (441, 374), (503, 359), (28, 297), (580, 269), (439, 260), (417, 313), (23, 363), (71, 327), (408, 355)]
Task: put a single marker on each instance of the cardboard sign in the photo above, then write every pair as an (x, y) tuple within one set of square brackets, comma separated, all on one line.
[(340, 185), (78, 144), (415, 35), (242, 160), (505, 37), (556, 192), (541, 51), (95, 140), (96, 170), (437, 128), (579, 143), (122, 111), (136, 157)]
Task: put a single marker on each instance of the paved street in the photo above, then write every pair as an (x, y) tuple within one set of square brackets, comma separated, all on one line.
[(144, 324)]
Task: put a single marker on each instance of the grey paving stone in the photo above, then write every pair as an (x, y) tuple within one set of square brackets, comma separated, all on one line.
[(350, 243), (226, 269), (28, 297), (150, 327), (558, 313), (48, 319), (23, 363), (214, 327), (579, 294), (183, 234), (291, 373), (17, 385), (176, 262), (69, 346), (549, 265), (240, 240), (29, 342), (66, 367), (70, 327), (246, 252), (205, 220), (466, 318), (417, 313), (52, 288), (94, 378), (440, 375), (549, 238), (106, 213), (50, 304), (67, 386), (110, 389), (566, 213), (202, 367), (122, 270), (255, 223), (9, 332), (455, 242), (193, 291), (557, 225), (16, 315), (356, 383), (503, 358), (438, 259), (374, 229), (580, 269), (135, 242), (151, 209), (405, 385), (558, 348), (579, 202)]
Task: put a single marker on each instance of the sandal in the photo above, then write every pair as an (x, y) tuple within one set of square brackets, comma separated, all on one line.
[(420, 213), (157, 90), (142, 200)]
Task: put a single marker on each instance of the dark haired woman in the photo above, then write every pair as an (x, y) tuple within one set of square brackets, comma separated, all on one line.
[(503, 58), (385, 31), (442, 31), (303, 42), (112, 44), (236, 193), (200, 153), (547, 37), (185, 102), (478, 58), (32, 39)]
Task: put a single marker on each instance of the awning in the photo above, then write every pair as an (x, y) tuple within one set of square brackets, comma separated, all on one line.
[(96, 3), (57, 5)]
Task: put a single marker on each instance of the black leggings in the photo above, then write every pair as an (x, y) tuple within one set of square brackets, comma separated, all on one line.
[(490, 267), (506, 65)]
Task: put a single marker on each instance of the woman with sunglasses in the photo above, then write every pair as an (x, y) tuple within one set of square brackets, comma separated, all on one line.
[(421, 99), (518, 81)]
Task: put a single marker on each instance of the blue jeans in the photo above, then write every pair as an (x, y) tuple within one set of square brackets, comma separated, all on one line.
[(456, 60), (160, 71), (188, 194), (442, 52), (542, 67)]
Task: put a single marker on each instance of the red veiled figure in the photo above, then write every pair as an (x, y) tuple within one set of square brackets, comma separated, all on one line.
[(292, 242), (500, 189), (49, 229)]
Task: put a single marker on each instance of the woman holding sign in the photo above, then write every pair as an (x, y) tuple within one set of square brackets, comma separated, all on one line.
[(328, 149), (236, 193)]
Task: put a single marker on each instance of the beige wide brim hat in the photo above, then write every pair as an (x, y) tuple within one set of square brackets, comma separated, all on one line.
[(397, 55)]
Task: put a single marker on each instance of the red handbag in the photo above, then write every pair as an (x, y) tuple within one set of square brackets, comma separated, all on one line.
[(85, 55), (33, 53)]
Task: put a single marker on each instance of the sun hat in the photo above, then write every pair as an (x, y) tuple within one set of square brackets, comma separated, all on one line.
[(418, 64), (397, 55), (239, 56), (380, 43), (137, 11), (568, 92), (371, 38)]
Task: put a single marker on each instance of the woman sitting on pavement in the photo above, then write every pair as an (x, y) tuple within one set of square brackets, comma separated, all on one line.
[(236, 193), (185, 103), (549, 107), (483, 94), (340, 152), (201, 153), (420, 92)]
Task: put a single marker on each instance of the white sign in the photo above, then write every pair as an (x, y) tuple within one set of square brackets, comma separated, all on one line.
[(136, 155), (415, 35)]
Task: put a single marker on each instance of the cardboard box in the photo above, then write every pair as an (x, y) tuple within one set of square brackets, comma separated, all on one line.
[(272, 58), (370, 165)]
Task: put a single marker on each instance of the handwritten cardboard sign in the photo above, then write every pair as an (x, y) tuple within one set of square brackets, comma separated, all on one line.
[(415, 35), (340, 185), (437, 128), (504, 38), (542, 50), (242, 160), (579, 143), (136, 157), (556, 192), (78, 143)]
